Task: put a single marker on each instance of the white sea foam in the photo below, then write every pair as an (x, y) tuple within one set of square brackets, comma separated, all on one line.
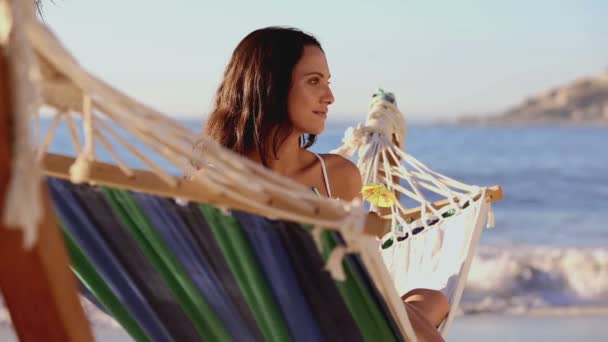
[(537, 279)]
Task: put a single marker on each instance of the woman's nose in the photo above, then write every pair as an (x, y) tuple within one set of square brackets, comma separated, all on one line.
[(328, 97)]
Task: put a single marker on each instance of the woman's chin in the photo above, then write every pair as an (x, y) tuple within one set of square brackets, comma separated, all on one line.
[(317, 130)]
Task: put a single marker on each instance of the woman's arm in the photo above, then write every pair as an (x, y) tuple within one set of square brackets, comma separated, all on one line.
[(345, 181), (344, 177)]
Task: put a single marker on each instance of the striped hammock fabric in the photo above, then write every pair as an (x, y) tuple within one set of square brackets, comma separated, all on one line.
[(169, 272)]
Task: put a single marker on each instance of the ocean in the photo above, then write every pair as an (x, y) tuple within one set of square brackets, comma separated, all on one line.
[(548, 254)]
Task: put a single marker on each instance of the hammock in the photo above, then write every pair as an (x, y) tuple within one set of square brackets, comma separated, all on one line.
[(433, 248), (128, 227), (172, 272)]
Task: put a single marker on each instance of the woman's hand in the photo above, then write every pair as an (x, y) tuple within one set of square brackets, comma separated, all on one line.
[(376, 225)]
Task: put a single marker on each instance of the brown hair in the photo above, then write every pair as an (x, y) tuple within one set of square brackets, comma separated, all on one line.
[(250, 112)]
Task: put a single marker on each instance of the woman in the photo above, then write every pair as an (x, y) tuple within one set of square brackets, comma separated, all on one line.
[(270, 107)]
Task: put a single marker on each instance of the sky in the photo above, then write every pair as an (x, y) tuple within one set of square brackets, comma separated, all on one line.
[(441, 59)]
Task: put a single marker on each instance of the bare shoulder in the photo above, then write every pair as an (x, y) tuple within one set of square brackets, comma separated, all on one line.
[(344, 177)]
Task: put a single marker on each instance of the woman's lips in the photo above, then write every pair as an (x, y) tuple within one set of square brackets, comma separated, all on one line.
[(323, 114)]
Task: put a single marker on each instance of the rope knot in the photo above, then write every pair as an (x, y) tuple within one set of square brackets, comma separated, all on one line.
[(81, 169), (335, 261), (386, 119)]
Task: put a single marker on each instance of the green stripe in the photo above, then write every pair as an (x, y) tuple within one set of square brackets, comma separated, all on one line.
[(249, 276), (152, 245), (85, 271), (359, 300)]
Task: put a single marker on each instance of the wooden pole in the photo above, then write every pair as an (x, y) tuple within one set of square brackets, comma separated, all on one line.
[(38, 287)]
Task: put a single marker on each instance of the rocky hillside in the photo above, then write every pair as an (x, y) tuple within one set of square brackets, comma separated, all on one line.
[(584, 101)]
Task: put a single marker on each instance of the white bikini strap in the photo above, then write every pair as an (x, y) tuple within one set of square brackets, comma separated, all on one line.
[(324, 174)]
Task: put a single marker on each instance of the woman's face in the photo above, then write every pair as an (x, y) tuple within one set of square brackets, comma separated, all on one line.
[(309, 95)]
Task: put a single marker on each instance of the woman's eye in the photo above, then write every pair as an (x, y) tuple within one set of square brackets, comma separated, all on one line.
[(313, 81)]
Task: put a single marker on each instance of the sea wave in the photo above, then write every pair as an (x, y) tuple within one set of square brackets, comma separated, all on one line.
[(537, 279)]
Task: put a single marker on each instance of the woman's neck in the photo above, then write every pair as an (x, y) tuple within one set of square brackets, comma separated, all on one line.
[(287, 160)]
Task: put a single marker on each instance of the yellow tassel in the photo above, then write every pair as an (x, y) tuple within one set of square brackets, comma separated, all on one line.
[(378, 195)]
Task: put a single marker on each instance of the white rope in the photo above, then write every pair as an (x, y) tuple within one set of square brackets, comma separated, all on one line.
[(316, 233), (491, 219), (446, 191), (152, 165), (23, 209), (434, 176), (50, 134), (385, 118), (6, 21), (74, 135), (335, 262), (119, 162), (374, 142), (352, 230), (81, 169)]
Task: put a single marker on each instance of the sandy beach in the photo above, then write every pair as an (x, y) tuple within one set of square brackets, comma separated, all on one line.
[(495, 328), (505, 328), (568, 324)]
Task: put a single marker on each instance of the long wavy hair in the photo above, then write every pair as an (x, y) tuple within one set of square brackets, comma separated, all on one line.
[(250, 111)]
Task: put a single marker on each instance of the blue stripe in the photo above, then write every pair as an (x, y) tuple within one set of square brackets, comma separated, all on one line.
[(180, 241), (280, 276), (100, 255)]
